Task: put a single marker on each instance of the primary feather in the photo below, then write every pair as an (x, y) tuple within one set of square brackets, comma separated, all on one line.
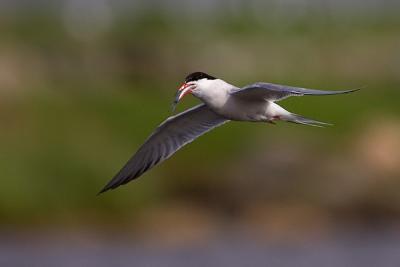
[(170, 136), (276, 92)]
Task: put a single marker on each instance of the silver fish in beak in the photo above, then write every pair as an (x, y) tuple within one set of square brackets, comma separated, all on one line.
[(182, 91)]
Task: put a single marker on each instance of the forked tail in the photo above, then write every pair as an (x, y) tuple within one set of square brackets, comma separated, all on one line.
[(294, 118)]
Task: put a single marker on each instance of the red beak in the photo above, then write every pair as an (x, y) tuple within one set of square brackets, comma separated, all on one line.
[(184, 85), (182, 91)]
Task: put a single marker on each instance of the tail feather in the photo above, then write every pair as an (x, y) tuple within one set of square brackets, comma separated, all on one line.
[(294, 118)]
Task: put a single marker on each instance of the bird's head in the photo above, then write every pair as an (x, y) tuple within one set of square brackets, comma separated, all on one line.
[(193, 84)]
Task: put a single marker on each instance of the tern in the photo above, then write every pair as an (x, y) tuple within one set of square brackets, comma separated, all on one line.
[(222, 102)]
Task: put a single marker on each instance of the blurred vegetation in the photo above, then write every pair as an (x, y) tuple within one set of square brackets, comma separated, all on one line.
[(75, 107)]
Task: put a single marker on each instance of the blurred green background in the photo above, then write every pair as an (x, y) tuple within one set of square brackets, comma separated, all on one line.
[(83, 83)]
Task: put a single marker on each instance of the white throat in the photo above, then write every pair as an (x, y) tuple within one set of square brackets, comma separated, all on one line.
[(214, 93)]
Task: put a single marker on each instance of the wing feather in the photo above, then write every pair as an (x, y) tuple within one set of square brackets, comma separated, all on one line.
[(169, 137), (276, 92)]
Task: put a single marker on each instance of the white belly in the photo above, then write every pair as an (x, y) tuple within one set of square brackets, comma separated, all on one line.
[(239, 110), (218, 98)]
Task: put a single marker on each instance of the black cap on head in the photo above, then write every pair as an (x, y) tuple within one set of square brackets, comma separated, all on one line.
[(195, 76)]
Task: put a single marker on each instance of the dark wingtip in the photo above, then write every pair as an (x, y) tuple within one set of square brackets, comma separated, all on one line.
[(117, 181), (105, 189), (344, 91), (356, 89), (109, 186)]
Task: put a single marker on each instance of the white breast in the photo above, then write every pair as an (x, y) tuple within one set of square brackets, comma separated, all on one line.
[(214, 93)]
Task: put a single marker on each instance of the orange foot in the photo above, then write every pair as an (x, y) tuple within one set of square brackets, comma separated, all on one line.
[(273, 119)]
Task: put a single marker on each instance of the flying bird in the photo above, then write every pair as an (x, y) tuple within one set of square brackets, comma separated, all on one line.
[(222, 102)]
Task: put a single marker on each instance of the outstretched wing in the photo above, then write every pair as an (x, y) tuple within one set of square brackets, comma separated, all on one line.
[(276, 92), (170, 136)]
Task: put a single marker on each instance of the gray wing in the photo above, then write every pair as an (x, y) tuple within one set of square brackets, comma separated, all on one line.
[(276, 92), (170, 136)]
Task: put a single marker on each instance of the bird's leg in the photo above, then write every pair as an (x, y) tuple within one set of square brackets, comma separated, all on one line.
[(273, 119)]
